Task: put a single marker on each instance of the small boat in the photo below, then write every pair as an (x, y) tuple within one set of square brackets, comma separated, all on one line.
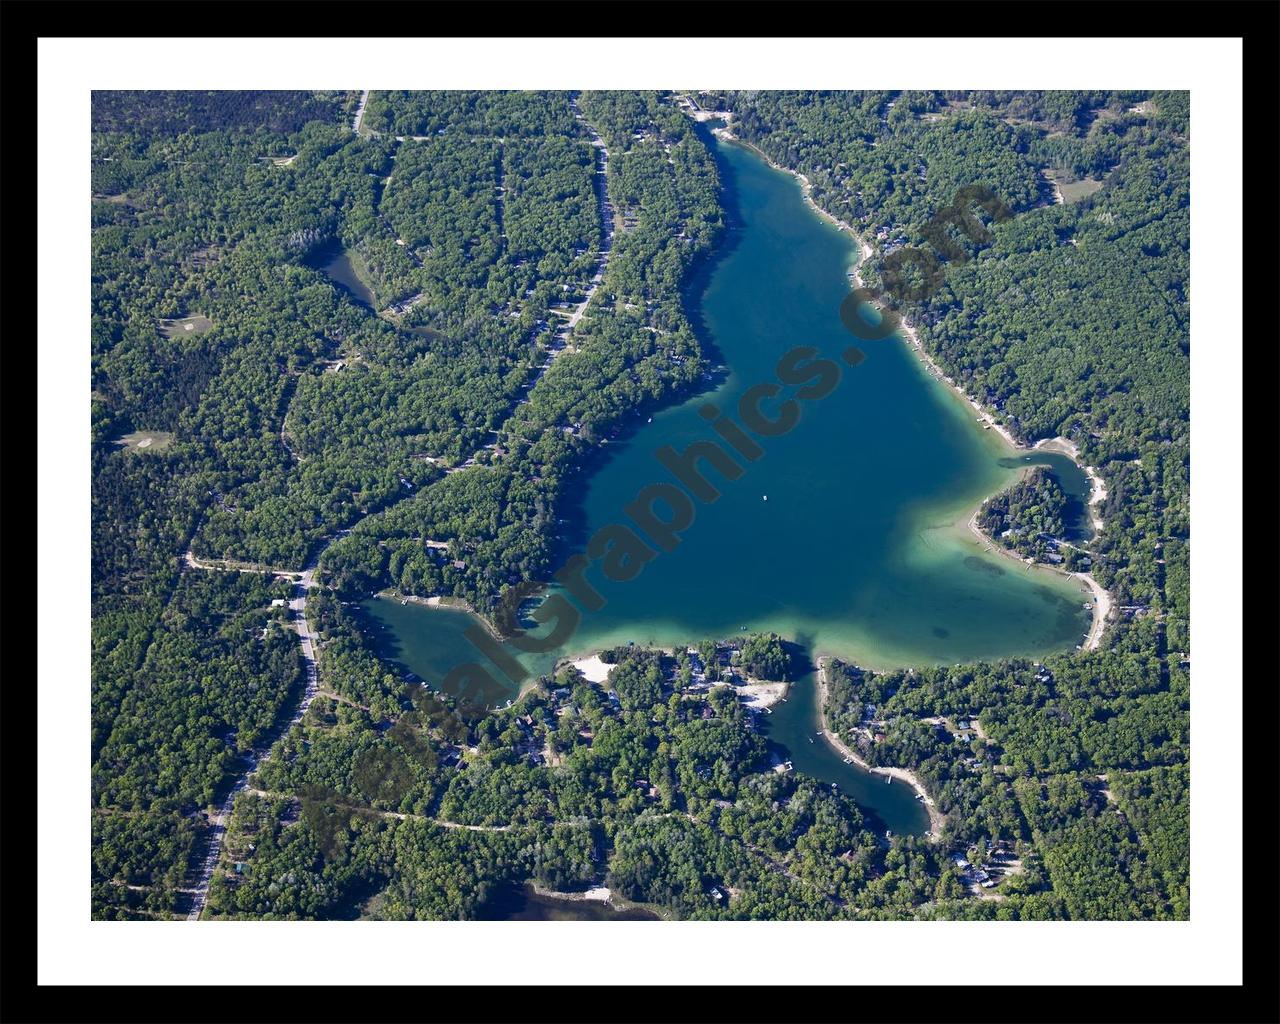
[(810, 739), (888, 780), (650, 419), (766, 497)]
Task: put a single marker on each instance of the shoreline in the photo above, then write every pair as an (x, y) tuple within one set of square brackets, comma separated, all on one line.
[(1101, 598), (757, 694), (599, 894), (1098, 489), (1097, 486), (937, 820), (446, 601)]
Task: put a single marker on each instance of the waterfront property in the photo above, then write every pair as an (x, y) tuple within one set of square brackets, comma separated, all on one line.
[(861, 550)]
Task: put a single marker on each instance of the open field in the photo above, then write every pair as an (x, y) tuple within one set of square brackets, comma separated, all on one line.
[(187, 325), (145, 441), (1068, 189)]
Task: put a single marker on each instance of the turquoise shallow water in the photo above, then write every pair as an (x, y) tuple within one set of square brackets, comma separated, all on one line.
[(846, 535)]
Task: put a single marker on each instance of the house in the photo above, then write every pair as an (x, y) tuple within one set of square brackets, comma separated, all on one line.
[(279, 602)]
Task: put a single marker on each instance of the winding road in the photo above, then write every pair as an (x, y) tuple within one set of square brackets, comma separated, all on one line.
[(305, 579)]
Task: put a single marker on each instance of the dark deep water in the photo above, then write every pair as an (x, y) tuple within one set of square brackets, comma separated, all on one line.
[(335, 263), (848, 535)]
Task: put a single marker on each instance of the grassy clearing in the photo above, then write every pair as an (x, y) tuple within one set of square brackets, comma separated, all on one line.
[(187, 325), (145, 441), (1068, 187)]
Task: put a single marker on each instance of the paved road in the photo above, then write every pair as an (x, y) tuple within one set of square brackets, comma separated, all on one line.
[(606, 220), (364, 99), (306, 580)]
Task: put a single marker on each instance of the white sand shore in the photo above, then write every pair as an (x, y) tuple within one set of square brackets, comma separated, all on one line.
[(1097, 486), (595, 670), (759, 694), (936, 818), (1098, 489), (435, 601), (600, 894), (1101, 609), (1101, 599), (1062, 444)]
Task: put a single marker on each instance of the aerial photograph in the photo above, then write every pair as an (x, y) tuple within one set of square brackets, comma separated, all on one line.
[(666, 505)]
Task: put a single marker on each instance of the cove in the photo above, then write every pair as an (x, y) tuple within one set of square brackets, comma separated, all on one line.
[(335, 263), (861, 550)]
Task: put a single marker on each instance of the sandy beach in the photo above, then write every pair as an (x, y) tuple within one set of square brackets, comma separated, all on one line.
[(1097, 486), (446, 601), (936, 818), (1101, 599), (907, 329), (1098, 490), (759, 694), (753, 693), (1060, 444), (600, 894), (1101, 609), (435, 601), (595, 670)]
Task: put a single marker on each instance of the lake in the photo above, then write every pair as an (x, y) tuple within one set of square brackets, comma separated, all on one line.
[(335, 263), (522, 903), (848, 535)]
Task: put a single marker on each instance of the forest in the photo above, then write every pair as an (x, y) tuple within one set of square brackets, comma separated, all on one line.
[(1028, 519), (1071, 321), (426, 439)]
